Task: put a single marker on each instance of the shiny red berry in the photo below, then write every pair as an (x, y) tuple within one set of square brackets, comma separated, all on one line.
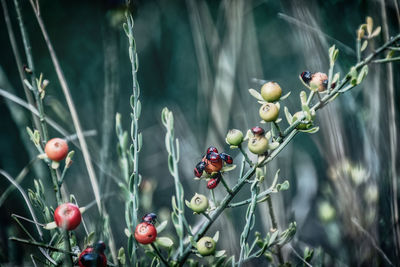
[(67, 216), (145, 233), (56, 149)]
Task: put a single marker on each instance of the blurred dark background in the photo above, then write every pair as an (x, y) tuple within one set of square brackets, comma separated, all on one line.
[(199, 58)]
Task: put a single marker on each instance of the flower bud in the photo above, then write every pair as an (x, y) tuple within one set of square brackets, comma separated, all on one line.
[(234, 137)]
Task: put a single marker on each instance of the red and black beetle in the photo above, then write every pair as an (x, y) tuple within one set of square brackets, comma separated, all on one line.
[(150, 218), (93, 256)]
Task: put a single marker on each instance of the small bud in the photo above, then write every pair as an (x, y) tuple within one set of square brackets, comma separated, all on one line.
[(199, 203), (234, 137)]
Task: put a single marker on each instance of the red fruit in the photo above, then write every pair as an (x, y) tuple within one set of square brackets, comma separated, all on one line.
[(67, 216), (145, 233), (257, 130), (56, 149)]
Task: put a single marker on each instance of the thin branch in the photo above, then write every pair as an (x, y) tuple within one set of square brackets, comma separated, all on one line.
[(42, 245)]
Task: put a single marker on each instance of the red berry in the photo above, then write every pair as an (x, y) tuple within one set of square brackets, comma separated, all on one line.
[(56, 149), (257, 130), (67, 216), (145, 233)]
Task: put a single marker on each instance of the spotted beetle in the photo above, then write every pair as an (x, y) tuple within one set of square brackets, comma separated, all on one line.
[(93, 256), (213, 183), (212, 149), (198, 171), (306, 76), (213, 157), (150, 218), (225, 157)]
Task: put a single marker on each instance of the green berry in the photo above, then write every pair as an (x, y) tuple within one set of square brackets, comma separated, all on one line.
[(234, 137), (199, 203), (271, 91), (206, 246), (258, 145), (269, 112)]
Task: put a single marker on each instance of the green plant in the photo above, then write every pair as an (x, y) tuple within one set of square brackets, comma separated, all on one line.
[(144, 236)]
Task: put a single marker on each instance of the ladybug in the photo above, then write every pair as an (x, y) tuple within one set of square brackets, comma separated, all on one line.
[(225, 157), (198, 171), (93, 256), (213, 157), (306, 76), (212, 162), (213, 183), (318, 78), (257, 130), (150, 218), (212, 149)]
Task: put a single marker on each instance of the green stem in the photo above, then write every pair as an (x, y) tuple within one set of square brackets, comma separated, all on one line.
[(206, 215), (245, 156), (42, 245), (249, 220), (290, 132), (358, 49), (225, 185), (278, 128), (160, 256), (275, 228), (260, 198), (310, 96), (386, 60)]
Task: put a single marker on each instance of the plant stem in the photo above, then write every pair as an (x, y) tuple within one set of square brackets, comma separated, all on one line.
[(260, 198), (71, 107), (249, 220), (278, 128), (43, 245), (386, 60), (245, 156), (160, 256), (358, 49), (225, 185), (275, 228), (17, 56)]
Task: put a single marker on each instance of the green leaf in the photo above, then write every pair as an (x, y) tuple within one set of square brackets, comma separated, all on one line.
[(121, 256), (138, 109), (177, 152), (283, 186), (273, 238), (219, 253), (228, 168), (164, 116), (311, 131), (191, 240), (164, 242), (285, 96), (289, 117), (171, 164), (336, 77), (90, 239), (140, 142), (363, 73), (256, 95), (216, 237), (162, 226), (364, 45)]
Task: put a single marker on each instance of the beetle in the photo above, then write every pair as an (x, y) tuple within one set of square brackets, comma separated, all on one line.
[(213, 183), (150, 218), (227, 158), (198, 171), (257, 130), (306, 76), (93, 256), (212, 149)]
